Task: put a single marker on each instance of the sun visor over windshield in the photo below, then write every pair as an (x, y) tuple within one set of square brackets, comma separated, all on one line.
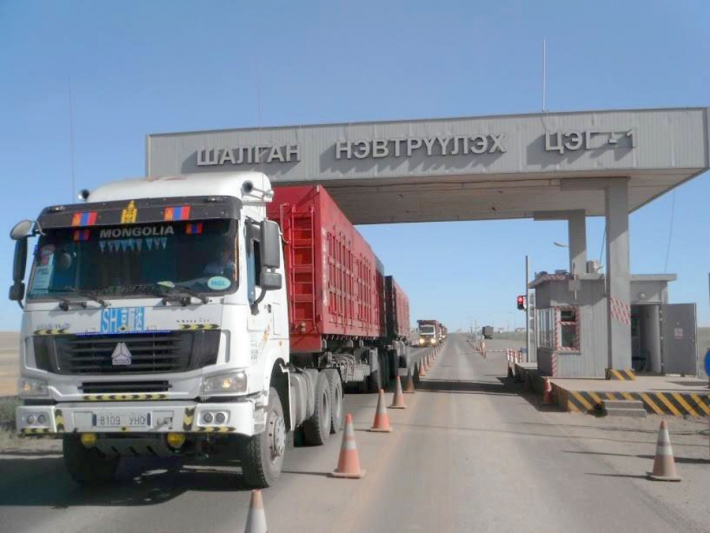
[(140, 211)]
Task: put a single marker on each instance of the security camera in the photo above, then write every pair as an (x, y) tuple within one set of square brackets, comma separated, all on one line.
[(84, 194)]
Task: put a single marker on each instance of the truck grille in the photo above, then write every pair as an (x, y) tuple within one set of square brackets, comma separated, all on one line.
[(150, 353), (116, 387)]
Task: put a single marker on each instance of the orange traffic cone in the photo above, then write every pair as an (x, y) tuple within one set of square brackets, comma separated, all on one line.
[(422, 368), (409, 384), (256, 519), (398, 398), (349, 461), (417, 373), (548, 392), (382, 419), (664, 463)]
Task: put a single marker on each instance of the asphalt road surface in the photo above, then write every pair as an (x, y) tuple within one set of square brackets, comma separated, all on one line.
[(468, 454)]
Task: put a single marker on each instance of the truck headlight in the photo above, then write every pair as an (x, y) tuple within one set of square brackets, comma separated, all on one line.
[(225, 383), (31, 388)]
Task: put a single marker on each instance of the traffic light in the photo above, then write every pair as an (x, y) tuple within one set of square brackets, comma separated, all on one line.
[(521, 302)]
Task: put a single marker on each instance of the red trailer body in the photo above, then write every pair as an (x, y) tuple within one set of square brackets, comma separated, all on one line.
[(335, 283), (397, 310)]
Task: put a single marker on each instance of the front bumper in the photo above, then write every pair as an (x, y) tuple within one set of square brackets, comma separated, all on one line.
[(243, 418)]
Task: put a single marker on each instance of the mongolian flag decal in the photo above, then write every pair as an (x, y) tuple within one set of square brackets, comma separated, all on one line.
[(177, 213), (84, 219), (81, 234), (194, 228)]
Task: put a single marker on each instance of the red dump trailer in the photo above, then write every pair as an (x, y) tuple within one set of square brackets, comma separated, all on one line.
[(338, 298)]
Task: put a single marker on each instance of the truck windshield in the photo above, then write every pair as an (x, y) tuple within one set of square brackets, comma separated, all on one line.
[(426, 330), (130, 260)]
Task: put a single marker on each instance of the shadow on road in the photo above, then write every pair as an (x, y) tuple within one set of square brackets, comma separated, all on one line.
[(628, 476), (680, 460), (42, 482), (471, 387)]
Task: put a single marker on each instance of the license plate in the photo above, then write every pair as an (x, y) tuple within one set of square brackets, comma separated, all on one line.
[(118, 420)]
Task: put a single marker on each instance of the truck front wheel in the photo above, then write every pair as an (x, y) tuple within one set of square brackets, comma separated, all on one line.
[(88, 466), (263, 454)]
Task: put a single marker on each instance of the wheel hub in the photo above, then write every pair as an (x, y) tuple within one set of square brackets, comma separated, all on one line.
[(278, 437)]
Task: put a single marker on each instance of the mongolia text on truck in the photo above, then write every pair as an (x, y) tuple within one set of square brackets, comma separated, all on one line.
[(164, 317)]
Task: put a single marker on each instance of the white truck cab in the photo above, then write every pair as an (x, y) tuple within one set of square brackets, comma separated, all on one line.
[(156, 322)]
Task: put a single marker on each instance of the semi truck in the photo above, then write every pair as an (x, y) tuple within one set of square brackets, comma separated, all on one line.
[(429, 332), (487, 332), (208, 315)]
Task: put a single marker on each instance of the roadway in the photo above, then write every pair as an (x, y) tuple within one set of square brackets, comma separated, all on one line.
[(469, 454)]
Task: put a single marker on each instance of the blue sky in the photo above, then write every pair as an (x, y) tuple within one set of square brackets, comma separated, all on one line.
[(141, 67)]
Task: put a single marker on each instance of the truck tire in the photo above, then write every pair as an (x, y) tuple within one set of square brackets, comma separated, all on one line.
[(316, 429), (88, 466), (336, 399), (262, 455), (374, 381)]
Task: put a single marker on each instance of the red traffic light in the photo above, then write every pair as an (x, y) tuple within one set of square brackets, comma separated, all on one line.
[(521, 302)]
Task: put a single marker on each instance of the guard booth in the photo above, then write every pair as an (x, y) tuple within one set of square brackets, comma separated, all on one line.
[(571, 325)]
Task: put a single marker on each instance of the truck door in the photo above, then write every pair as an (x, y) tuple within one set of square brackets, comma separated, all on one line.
[(678, 330)]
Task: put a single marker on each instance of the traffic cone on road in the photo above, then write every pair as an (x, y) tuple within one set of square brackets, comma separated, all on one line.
[(256, 519), (349, 461), (382, 418), (409, 384), (398, 398), (664, 463), (547, 400)]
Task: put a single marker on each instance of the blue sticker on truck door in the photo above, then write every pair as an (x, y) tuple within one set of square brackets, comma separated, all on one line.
[(122, 319)]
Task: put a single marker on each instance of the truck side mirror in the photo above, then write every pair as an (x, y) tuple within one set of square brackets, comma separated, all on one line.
[(270, 244), (270, 281), (17, 291), (21, 230)]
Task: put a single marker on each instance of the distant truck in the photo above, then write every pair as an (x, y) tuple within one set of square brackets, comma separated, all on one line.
[(444, 331), (429, 332), (487, 332)]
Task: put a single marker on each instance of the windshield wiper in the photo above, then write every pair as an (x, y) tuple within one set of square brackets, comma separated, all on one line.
[(89, 295), (177, 290), (64, 303)]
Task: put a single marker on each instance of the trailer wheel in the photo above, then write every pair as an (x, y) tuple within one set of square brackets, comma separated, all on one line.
[(88, 466), (374, 381), (317, 428), (336, 399), (263, 454)]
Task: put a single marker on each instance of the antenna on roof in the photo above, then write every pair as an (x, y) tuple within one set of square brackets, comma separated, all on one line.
[(71, 142), (544, 75)]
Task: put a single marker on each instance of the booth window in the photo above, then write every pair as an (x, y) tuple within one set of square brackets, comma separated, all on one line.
[(546, 328), (568, 329), (557, 328)]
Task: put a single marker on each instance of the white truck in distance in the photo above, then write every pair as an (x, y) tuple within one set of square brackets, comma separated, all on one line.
[(156, 323)]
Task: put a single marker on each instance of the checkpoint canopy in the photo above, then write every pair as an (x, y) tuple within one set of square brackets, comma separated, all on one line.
[(471, 168)]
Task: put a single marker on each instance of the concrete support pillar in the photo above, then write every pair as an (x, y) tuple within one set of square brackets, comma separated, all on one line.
[(577, 230), (618, 275)]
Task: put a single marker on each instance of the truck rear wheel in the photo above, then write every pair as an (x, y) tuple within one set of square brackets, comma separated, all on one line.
[(88, 466), (317, 428), (374, 381), (336, 399), (263, 454)]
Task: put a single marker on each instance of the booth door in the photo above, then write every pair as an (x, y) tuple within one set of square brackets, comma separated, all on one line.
[(678, 327)]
